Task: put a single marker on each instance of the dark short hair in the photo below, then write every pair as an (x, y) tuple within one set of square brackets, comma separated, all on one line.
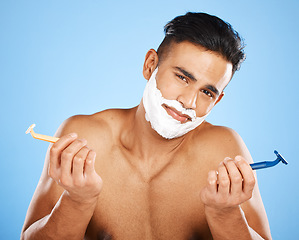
[(205, 30)]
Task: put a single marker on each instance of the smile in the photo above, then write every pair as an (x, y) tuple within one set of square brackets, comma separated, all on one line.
[(183, 118)]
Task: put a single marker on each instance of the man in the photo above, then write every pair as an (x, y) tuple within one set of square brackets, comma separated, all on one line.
[(156, 171)]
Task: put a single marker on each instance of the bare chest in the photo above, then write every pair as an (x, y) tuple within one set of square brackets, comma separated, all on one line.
[(166, 207)]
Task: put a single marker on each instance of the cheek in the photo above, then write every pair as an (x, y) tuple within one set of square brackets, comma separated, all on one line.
[(204, 105), (168, 90)]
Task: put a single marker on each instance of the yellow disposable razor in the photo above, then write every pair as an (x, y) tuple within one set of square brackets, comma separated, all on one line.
[(41, 136)]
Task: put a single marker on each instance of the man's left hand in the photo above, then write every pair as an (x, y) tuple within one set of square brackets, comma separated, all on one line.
[(231, 185)]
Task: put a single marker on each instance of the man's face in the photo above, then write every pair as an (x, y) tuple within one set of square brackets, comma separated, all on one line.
[(193, 76)]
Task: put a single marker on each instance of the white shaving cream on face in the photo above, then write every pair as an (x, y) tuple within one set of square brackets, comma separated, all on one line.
[(164, 124)]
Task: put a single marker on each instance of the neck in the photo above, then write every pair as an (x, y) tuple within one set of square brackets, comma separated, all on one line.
[(145, 142)]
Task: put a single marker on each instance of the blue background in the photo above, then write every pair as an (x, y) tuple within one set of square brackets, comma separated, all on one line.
[(61, 58)]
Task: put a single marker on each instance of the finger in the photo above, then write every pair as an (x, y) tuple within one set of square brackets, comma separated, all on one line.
[(67, 159), (212, 182), (55, 153), (223, 180), (235, 177), (89, 163), (64, 141), (247, 173), (78, 164)]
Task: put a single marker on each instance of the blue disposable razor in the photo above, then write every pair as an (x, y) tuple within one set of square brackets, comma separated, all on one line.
[(266, 164)]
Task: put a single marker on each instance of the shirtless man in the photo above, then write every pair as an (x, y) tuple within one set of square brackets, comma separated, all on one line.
[(156, 171)]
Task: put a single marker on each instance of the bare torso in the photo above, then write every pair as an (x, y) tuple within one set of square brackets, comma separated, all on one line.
[(157, 199), (167, 206)]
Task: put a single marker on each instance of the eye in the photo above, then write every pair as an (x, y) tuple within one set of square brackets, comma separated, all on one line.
[(208, 93), (182, 77)]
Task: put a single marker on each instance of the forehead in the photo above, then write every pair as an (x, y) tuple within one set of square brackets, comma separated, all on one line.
[(207, 66)]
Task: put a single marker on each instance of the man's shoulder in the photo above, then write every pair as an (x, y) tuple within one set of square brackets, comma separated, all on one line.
[(216, 133), (102, 123), (220, 141)]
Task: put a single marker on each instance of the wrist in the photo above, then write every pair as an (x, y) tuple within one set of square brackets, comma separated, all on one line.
[(80, 204), (223, 212)]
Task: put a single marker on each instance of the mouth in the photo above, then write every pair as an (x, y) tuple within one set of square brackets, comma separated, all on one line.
[(183, 118)]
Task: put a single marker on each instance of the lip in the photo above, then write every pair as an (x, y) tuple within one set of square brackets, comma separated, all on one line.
[(183, 118)]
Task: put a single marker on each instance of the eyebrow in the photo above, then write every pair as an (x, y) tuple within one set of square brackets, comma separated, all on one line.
[(213, 89), (190, 76), (186, 73)]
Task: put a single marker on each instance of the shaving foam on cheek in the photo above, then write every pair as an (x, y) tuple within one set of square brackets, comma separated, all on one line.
[(160, 120)]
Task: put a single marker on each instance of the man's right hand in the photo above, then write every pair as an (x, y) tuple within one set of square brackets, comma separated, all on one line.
[(71, 165)]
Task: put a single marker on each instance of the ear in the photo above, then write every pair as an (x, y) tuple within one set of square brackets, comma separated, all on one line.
[(219, 98), (150, 63)]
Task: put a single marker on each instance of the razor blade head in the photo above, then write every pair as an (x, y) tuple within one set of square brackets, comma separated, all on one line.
[(30, 128), (281, 158)]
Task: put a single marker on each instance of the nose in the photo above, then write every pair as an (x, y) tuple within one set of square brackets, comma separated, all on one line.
[(188, 99)]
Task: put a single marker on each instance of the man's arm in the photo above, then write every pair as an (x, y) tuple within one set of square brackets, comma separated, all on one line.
[(232, 189), (67, 193)]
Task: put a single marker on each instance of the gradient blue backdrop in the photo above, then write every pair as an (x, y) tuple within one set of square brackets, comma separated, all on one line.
[(61, 58)]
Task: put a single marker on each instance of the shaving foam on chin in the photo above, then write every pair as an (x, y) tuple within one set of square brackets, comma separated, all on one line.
[(160, 120)]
